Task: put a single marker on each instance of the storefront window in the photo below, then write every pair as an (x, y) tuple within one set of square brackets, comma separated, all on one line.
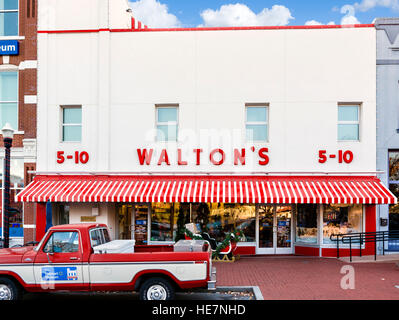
[(218, 219), (63, 217), (393, 244), (306, 223), (343, 219), (163, 221), (124, 222)]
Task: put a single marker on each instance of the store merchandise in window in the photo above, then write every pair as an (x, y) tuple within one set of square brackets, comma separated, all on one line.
[(341, 219)]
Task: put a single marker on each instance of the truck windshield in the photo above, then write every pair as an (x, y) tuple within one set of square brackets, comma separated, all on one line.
[(41, 242), (99, 236)]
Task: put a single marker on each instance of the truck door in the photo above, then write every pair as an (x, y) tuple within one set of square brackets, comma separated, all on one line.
[(58, 264)]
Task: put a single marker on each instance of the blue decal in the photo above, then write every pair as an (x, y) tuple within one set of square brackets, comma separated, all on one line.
[(9, 47), (59, 274)]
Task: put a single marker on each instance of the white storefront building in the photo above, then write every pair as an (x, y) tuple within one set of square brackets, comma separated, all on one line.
[(268, 130)]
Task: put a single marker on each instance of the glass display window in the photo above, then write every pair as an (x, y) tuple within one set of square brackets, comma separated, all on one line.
[(341, 219), (306, 223)]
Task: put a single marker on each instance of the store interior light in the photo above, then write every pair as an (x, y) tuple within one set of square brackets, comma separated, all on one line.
[(7, 131)]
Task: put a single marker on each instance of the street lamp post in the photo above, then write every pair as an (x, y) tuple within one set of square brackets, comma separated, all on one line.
[(8, 134)]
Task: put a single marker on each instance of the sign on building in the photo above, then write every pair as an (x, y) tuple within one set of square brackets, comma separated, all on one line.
[(9, 47)]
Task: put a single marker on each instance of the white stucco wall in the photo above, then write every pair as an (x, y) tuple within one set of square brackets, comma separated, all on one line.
[(119, 77)]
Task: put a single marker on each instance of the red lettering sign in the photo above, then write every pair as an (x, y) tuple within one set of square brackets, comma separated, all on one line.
[(343, 156), (213, 161), (180, 162), (263, 154), (144, 156), (239, 157), (80, 157), (164, 158)]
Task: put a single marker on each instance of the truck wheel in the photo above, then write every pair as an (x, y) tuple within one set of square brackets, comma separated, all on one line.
[(9, 290), (156, 289)]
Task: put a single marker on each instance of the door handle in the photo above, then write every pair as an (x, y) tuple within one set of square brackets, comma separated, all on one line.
[(73, 258)]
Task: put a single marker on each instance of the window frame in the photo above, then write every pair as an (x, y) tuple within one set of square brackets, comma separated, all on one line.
[(341, 122), (101, 231), (9, 11), (63, 107), (169, 123), (17, 101), (389, 168), (251, 123), (343, 245), (79, 250)]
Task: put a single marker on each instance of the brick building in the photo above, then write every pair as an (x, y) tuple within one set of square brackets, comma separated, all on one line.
[(18, 94)]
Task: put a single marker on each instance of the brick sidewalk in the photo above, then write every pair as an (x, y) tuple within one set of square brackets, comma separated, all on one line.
[(299, 278)]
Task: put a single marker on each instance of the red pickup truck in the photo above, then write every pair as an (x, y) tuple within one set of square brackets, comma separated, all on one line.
[(82, 257)]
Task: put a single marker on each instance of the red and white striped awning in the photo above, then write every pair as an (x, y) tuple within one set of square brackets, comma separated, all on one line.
[(227, 189)]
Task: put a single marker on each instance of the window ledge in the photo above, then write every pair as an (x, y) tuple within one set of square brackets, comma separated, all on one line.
[(12, 38)]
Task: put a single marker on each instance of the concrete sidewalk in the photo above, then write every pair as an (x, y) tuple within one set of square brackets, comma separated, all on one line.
[(304, 278), (390, 258)]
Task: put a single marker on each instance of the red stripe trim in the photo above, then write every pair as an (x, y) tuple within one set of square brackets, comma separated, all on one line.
[(145, 29)]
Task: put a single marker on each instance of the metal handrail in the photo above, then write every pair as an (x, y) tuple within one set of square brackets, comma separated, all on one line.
[(363, 238)]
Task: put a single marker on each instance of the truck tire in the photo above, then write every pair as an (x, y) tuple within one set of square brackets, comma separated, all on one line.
[(9, 290), (156, 289)]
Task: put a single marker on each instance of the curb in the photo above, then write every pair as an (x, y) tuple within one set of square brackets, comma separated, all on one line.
[(255, 289)]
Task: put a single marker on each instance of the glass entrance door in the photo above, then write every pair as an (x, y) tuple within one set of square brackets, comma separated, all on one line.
[(266, 230), (140, 224), (283, 229), (274, 231)]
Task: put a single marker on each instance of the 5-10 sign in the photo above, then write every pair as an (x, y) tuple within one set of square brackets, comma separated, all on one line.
[(342, 156), (79, 157)]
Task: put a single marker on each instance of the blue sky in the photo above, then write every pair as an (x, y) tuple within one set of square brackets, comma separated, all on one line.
[(193, 13)]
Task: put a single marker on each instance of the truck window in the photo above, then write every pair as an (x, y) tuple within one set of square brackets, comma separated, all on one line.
[(62, 242), (99, 236)]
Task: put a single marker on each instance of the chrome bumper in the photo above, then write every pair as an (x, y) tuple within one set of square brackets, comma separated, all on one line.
[(212, 282)]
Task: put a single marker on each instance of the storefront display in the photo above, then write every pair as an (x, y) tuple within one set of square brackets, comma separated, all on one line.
[(306, 223), (341, 219)]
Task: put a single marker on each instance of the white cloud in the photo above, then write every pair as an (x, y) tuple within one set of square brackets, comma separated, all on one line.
[(349, 15), (317, 23), (366, 5), (154, 14), (238, 15), (312, 23)]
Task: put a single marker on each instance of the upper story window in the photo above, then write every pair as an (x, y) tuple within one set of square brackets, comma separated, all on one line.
[(72, 124), (167, 122), (348, 122), (9, 99), (257, 122), (8, 18)]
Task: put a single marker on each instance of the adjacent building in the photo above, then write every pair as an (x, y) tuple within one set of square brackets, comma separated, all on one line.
[(388, 119), (268, 130), (18, 99)]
